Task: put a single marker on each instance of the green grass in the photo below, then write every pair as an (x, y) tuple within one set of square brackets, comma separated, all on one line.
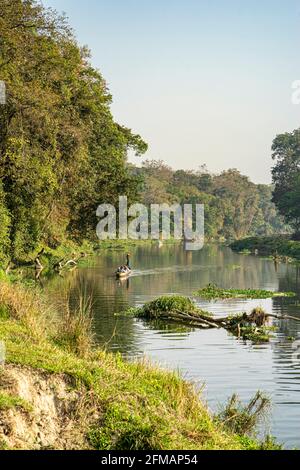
[(142, 407), (212, 292), (8, 402)]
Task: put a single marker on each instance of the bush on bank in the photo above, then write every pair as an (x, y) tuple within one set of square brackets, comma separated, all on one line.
[(281, 246)]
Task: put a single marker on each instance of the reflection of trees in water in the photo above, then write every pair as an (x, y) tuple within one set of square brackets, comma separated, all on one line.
[(285, 347), (108, 297), (290, 278), (163, 271), (165, 328)]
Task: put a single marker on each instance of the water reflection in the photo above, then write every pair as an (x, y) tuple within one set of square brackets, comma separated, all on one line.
[(225, 364)]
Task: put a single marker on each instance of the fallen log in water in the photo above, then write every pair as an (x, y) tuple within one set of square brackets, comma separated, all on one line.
[(182, 310)]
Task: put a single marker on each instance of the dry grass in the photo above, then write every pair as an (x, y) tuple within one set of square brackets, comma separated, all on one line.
[(27, 306), (71, 326), (76, 324), (244, 419)]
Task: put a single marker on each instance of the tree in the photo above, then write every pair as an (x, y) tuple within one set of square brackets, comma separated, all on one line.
[(286, 177), (61, 152), (234, 206), (239, 202), (4, 227)]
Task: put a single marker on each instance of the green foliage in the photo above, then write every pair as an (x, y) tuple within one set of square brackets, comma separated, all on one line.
[(61, 152), (212, 292), (166, 304), (226, 216), (257, 335), (76, 329), (124, 431), (280, 247), (4, 312), (4, 227), (286, 176)]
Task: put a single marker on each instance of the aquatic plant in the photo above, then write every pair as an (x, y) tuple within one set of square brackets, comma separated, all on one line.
[(166, 304), (213, 292)]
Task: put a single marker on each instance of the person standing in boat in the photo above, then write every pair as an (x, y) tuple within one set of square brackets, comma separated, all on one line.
[(128, 261)]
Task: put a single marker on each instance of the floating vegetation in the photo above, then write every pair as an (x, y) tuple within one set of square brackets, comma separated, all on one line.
[(234, 266), (253, 326), (245, 252), (212, 292), (166, 305)]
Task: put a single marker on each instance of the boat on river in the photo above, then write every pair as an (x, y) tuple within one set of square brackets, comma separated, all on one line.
[(124, 271)]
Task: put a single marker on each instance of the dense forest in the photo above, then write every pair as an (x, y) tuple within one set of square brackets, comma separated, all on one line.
[(62, 153), (234, 206)]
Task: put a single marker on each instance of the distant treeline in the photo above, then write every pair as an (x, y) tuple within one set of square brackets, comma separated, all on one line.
[(62, 153), (234, 206)]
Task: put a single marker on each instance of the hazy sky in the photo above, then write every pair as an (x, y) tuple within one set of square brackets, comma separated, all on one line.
[(203, 81)]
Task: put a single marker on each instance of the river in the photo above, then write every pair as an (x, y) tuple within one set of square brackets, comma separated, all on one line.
[(214, 360)]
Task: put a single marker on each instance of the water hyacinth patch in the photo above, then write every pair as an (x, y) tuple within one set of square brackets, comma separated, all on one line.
[(212, 292)]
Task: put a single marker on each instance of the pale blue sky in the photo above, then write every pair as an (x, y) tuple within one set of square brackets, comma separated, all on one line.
[(203, 81)]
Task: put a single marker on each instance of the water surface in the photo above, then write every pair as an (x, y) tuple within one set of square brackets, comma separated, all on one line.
[(215, 359)]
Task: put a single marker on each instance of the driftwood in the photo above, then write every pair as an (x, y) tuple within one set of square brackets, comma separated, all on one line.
[(258, 318), (38, 265), (63, 263)]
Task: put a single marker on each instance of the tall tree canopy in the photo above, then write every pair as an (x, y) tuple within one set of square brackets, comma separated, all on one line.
[(61, 152), (234, 206)]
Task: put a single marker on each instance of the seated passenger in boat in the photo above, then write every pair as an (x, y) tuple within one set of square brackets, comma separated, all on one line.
[(123, 269), (126, 269)]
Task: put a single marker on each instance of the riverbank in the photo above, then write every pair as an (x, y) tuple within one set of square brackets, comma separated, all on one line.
[(69, 254), (276, 246), (54, 379)]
